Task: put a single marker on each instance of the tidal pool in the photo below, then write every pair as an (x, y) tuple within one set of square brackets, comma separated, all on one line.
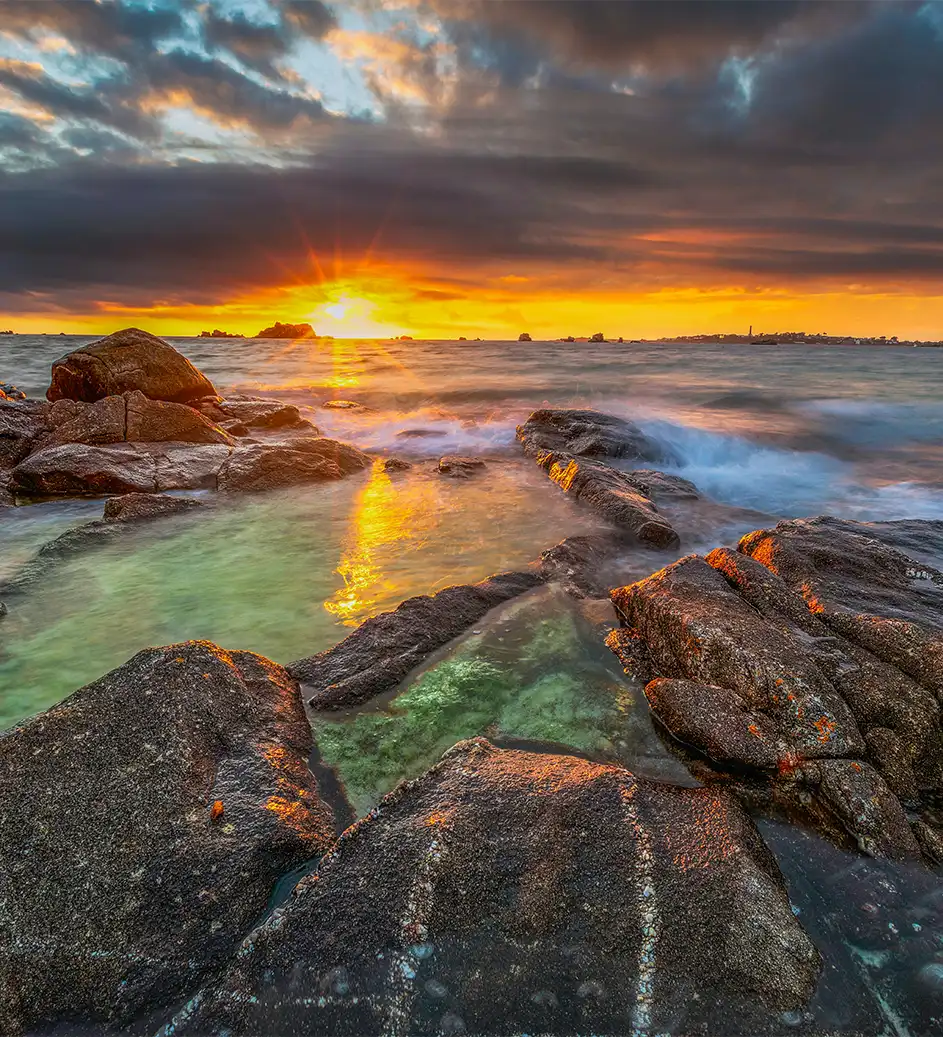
[(284, 575), (535, 672)]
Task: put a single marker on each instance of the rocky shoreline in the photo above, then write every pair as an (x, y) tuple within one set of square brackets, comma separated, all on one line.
[(795, 681)]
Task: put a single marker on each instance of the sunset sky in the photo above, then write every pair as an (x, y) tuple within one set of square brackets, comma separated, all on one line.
[(456, 167)]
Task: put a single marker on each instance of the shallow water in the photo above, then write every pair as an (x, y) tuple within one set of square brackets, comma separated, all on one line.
[(782, 431)]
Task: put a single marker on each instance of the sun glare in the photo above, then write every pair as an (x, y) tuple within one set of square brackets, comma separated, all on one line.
[(349, 316)]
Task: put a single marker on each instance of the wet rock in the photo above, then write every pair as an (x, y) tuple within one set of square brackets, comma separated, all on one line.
[(795, 641), (155, 421), (611, 494), (21, 423), (588, 433), (122, 880), (131, 418), (661, 486), (581, 562), (873, 595), (394, 464), (698, 628), (383, 649), (127, 360), (460, 467), (342, 405), (269, 466), (516, 892), (137, 507), (11, 392), (258, 413), (77, 469)]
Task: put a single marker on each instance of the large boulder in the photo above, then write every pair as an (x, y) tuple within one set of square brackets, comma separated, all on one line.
[(22, 422), (383, 649), (588, 433), (144, 823), (513, 892), (131, 418), (127, 360), (611, 494), (803, 660), (74, 469), (269, 466)]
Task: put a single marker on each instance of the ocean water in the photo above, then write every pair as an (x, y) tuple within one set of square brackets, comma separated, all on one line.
[(765, 432)]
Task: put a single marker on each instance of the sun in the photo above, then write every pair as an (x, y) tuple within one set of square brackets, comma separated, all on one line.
[(350, 316)]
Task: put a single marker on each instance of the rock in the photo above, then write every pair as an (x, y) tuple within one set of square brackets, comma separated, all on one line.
[(75, 469), (394, 464), (611, 494), (154, 421), (661, 486), (588, 433), (524, 337), (383, 649), (459, 467), (342, 405), (597, 337), (696, 627), (266, 414), (581, 562), (516, 892), (267, 466), (127, 360), (279, 330), (131, 418), (779, 663), (121, 881), (870, 593), (21, 423), (137, 507), (11, 392)]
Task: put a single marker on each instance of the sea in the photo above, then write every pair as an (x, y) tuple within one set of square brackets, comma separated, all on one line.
[(766, 432)]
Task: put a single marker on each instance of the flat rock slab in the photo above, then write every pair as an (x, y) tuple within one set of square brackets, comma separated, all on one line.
[(76, 469), (145, 821), (140, 507), (589, 433), (514, 892), (127, 360), (383, 649), (460, 467)]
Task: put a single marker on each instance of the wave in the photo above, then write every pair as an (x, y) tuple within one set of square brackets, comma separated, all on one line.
[(877, 423)]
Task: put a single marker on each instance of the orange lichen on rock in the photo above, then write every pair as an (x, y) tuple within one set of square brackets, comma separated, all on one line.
[(216, 810), (825, 727)]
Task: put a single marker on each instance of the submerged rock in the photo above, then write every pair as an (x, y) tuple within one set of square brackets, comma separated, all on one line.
[(76, 469), (144, 822), (395, 464), (806, 658), (588, 433), (127, 360), (383, 649), (516, 892), (460, 467)]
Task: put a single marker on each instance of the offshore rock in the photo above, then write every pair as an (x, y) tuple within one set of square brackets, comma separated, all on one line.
[(515, 892), (74, 469), (127, 360), (383, 649), (806, 660), (611, 494), (588, 433), (269, 466), (144, 822)]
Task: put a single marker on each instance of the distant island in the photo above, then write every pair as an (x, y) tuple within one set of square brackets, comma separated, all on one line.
[(7, 333), (524, 337), (279, 330), (216, 333)]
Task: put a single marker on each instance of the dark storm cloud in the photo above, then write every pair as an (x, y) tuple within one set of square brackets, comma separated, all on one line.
[(817, 158), (652, 32)]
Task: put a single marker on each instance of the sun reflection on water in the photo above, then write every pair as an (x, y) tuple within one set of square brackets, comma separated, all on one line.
[(387, 516)]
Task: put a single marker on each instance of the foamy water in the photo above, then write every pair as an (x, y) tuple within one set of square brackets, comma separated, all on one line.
[(782, 431)]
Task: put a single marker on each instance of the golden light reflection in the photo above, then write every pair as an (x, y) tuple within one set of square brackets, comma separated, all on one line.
[(387, 517)]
